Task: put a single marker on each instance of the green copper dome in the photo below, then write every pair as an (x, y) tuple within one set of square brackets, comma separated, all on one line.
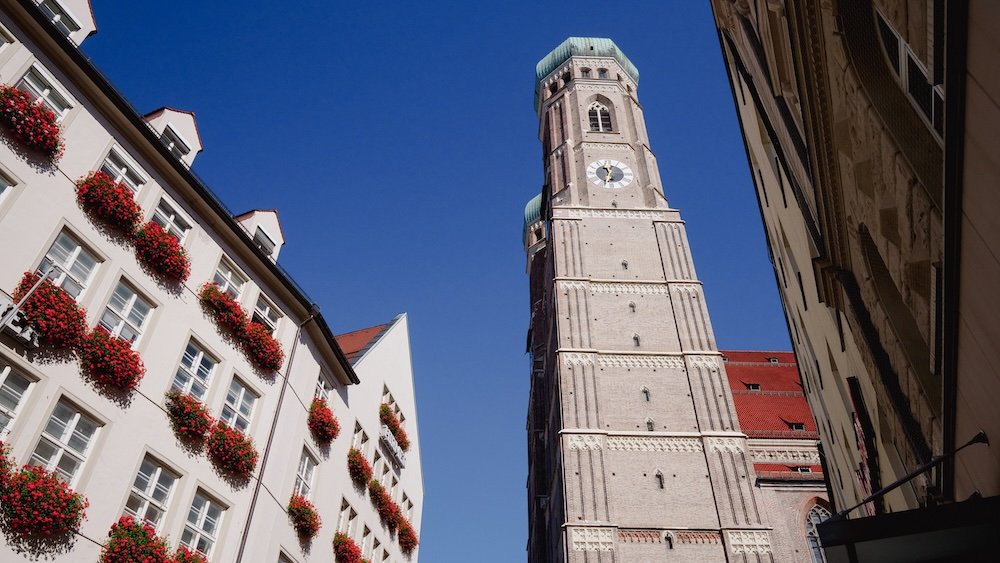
[(532, 213), (582, 47)]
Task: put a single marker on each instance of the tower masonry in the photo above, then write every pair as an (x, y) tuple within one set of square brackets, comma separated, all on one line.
[(635, 450)]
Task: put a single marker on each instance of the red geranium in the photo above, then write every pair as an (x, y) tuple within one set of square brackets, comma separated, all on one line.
[(110, 361), (261, 348), (358, 467), (109, 202), (388, 418), (321, 422), (387, 508), (185, 554), (345, 550), (188, 417), (29, 122), (231, 451), (224, 310), (161, 253), (133, 541), (304, 517), (37, 503), (407, 537), (52, 313)]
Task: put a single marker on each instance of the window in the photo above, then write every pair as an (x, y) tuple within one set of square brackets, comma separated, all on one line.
[(264, 241), (323, 387), (659, 480), (802, 469), (392, 488), (151, 492), (230, 280), (602, 73), (5, 183), (266, 314), (13, 388), (43, 91), (377, 464), (167, 217), (366, 537), (238, 409), (912, 76), (645, 393), (360, 440), (773, 361), (173, 142), (816, 515), (304, 476), (600, 117), (797, 426), (376, 551), (5, 38), (202, 528), (348, 516), (407, 505), (126, 313), (195, 372), (65, 442), (118, 168), (59, 17), (585, 73), (753, 386), (73, 264), (650, 425)]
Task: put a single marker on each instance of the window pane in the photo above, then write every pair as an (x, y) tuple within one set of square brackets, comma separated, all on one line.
[(12, 390), (60, 419)]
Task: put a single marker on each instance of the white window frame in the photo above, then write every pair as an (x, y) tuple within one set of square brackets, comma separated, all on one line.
[(192, 377), (197, 528), (124, 171), (61, 443), (123, 315), (263, 311), (602, 112), (56, 13), (360, 438), (43, 89), (903, 56), (172, 220), (62, 270), (305, 475), (175, 142), (231, 413), (366, 537), (345, 522), (7, 373), (227, 275), (324, 387), (264, 241), (145, 496)]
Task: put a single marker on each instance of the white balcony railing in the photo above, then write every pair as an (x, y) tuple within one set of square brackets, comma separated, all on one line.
[(17, 326), (392, 445)]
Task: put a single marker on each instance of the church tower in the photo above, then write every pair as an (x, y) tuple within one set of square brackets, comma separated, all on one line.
[(635, 451)]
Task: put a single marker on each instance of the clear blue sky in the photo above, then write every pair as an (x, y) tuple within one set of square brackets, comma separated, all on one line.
[(399, 144)]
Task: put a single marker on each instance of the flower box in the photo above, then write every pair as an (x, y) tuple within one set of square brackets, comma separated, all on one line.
[(261, 348), (304, 517), (358, 467), (161, 253), (186, 555), (131, 540), (321, 422), (345, 550), (110, 361), (224, 310), (36, 503), (188, 417), (407, 537), (108, 202), (387, 508), (231, 451), (388, 418), (33, 124), (52, 313)]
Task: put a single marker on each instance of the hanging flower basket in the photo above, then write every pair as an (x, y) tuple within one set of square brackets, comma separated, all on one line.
[(389, 419), (134, 541), (407, 537), (108, 202), (224, 310), (387, 508), (231, 451), (32, 124), (188, 417), (345, 550), (110, 361), (358, 467), (52, 313), (261, 348), (36, 503), (321, 422), (161, 254), (304, 517), (186, 555)]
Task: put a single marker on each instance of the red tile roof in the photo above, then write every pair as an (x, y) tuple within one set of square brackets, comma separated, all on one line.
[(769, 412), (356, 343)]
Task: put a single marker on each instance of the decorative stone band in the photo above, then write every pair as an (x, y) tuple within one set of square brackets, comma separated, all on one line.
[(640, 536), (607, 147), (586, 441), (653, 444), (748, 541), (732, 445), (592, 539), (561, 212), (628, 288), (804, 456), (698, 537), (640, 361)]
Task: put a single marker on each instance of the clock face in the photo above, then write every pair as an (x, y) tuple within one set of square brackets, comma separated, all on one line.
[(609, 173)]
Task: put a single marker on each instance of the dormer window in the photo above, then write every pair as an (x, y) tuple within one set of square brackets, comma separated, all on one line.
[(45, 92), (797, 426), (59, 17), (802, 469), (173, 142), (753, 386), (264, 242), (602, 73), (773, 361)]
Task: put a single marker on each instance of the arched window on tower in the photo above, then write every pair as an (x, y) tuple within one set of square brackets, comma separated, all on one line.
[(659, 479), (600, 118), (650, 425), (645, 393), (816, 515)]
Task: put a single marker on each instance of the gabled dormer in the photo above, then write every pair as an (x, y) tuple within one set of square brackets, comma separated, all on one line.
[(178, 132), (265, 229), (73, 18)]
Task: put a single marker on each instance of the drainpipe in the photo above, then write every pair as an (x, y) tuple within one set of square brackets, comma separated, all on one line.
[(270, 436)]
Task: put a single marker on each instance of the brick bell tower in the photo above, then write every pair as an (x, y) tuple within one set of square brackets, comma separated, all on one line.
[(635, 452)]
